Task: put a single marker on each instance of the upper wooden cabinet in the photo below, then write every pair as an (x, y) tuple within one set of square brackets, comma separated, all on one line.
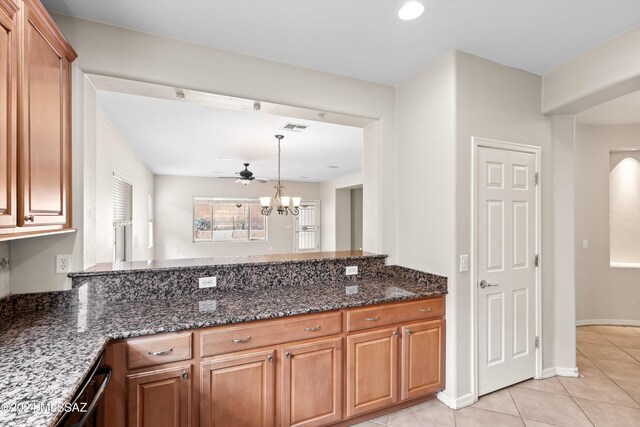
[(8, 114), (35, 93)]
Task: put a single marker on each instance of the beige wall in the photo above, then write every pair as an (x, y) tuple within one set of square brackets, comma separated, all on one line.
[(439, 110), (602, 293), (605, 72), (331, 200), (426, 120), (114, 154), (502, 103), (174, 216), (119, 52)]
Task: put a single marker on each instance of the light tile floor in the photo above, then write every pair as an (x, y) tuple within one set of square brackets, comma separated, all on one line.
[(607, 393)]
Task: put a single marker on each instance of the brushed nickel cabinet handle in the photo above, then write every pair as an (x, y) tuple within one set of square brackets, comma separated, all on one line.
[(29, 217), (372, 319), (425, 310), (241, 340), (160, 353), (313, 329)]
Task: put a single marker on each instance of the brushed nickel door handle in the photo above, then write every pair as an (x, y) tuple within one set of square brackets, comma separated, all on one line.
[(484, 284)]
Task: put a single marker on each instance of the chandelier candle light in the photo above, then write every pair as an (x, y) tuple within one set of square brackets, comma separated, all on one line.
[(280, 202)]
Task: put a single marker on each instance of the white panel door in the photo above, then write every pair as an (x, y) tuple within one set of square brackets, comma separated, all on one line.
[(506, 244)]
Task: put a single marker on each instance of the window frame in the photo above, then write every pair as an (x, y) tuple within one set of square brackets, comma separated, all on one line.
[(244, 200)]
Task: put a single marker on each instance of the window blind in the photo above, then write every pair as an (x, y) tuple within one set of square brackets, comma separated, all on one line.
[(122, 201)]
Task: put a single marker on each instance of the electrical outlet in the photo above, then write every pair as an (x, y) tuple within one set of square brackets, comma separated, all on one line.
[(352, 290), (63, 264), (351, 270), (207, 282)]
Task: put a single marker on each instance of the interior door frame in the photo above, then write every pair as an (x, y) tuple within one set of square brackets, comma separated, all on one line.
[(477, 143)]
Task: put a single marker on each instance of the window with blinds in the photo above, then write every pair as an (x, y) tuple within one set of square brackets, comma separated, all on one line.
[(122, 196), (122, 201)]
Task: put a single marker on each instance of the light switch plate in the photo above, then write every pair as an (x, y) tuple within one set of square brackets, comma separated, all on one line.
[(207, 282), (464, 263), (585, 244), (351, 270)]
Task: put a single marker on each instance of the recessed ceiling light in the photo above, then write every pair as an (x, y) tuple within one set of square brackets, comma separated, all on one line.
[(333, 167), (304, 177), (410, 10), (224, 158), (216, 171)]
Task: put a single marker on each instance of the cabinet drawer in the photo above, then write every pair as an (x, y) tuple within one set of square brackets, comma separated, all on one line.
[(373, 317), (158, 350), (227, 340)]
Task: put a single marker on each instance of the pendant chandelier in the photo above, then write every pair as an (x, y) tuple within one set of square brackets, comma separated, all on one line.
[(285, 205)]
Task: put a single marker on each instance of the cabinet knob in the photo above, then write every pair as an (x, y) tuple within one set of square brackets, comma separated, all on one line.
[(184, 375), (269, 358), (395, 333), (287, 354), (29, 217), (407, 331)]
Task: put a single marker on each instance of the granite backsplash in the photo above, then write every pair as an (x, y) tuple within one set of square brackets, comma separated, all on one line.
[(183, 281)]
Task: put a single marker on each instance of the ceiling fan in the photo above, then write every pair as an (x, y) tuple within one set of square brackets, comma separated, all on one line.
[(246, 176)]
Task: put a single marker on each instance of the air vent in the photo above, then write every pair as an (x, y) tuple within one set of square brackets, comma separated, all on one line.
[(293, 127)]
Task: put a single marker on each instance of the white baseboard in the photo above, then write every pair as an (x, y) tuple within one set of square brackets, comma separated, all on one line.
[(460, 402), (616, 322), (567, 372), (560, 372)]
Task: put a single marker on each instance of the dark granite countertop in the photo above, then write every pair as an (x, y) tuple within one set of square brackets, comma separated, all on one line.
[(45, 354)]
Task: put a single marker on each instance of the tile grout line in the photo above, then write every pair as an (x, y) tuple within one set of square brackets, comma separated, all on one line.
[(516, 405), (577, 404), (608, 377)]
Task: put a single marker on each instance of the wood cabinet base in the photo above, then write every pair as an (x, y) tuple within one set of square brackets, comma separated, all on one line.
[(305, 371)]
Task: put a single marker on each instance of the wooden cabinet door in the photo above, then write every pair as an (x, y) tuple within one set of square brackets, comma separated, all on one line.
[(422, 359), (238, 391), (160, 398), (45, 120), (312, 383), (8, 117), (372, 371)]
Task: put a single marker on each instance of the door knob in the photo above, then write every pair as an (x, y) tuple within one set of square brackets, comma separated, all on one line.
[(484, 284)]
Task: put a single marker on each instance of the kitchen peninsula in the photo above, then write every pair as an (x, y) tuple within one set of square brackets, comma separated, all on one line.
[(296, 324)]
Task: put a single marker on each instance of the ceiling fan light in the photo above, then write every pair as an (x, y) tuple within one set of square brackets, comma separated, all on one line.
[(265, 201), (245, 181)]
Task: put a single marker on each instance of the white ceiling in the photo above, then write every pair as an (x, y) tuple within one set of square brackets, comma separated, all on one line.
[(365, 39), (624, 110), (180, 138)]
